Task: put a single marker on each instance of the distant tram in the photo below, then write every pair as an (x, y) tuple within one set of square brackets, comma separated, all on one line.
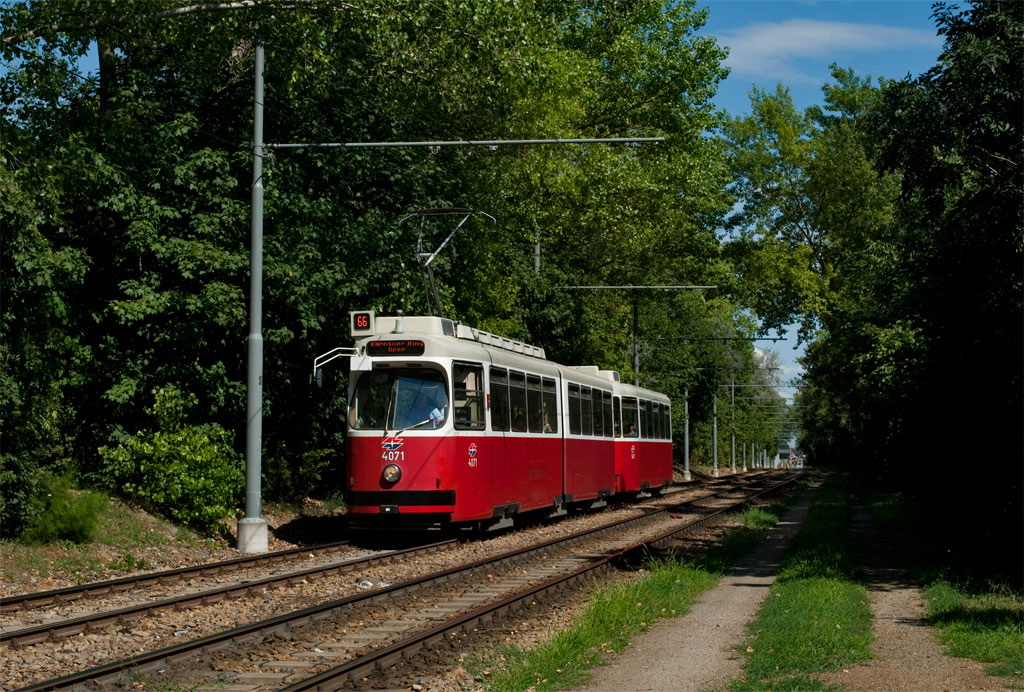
[(450, 425)]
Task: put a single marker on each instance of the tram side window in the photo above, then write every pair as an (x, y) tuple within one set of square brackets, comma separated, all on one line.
[(533, 403), (656, 419), (617, 416), (468, 386), (630, 422), (588, 411), (645, 428), (667, 413), (598, 416), (574, 409), (606, 406), (550, 406), (517, 390), (499, 399)]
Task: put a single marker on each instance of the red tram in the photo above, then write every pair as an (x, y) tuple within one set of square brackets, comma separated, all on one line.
[(452, 425)]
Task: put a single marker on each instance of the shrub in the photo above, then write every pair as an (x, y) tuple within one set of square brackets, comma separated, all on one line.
[(67, 514), (189, 473)]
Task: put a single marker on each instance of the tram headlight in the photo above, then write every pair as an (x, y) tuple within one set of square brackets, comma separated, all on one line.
[(392, 473)]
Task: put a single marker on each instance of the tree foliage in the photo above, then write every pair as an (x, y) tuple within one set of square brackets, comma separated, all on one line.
[(126, 208), (811, 201)]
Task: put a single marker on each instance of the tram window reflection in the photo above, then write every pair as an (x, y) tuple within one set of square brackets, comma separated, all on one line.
[(499, 399), (468, 393)]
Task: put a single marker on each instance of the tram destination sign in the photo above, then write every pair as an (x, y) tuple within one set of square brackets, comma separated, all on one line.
[(395, 347)]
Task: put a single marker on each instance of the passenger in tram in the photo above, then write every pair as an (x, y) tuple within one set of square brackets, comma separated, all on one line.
[(631, 430)]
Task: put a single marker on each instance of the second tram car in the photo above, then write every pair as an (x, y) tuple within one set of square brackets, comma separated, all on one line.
[(452, 425)]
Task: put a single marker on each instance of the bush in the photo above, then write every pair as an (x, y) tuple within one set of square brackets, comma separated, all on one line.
[(67, 514), (189, 473)]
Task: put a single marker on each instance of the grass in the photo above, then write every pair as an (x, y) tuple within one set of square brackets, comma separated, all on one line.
[(117, 525), (616, 613), (74, 559), (982, 626), (816, 618), (613, 615)]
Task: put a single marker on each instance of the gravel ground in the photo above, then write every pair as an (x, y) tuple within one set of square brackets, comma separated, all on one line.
[(444, 671)]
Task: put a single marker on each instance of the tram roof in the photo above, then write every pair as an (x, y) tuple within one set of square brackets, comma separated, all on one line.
[(467, 339), (387, 326)]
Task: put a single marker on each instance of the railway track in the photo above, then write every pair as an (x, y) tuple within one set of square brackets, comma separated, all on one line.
[(28, 601), (72, 610), (67, 627), (321, 646)]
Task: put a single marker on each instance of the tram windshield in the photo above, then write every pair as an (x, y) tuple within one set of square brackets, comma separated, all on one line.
[(400, 400)]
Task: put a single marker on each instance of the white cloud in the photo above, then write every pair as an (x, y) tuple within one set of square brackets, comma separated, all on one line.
[(779, 51)]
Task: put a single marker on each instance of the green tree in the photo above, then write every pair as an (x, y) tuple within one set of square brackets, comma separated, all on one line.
[(40, 351), (810, 199)]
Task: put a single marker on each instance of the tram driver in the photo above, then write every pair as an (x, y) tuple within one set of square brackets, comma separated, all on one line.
[(428, 407)]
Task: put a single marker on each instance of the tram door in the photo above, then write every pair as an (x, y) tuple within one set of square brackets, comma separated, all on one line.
[(473, 458), (504, 475), (628, 454)]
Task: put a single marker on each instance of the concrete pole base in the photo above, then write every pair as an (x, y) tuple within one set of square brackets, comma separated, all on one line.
[(252, 535), (714, 473), (686, 477)]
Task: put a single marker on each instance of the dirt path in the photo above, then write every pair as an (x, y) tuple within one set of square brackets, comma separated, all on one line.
[(908, 657), (691, 653)]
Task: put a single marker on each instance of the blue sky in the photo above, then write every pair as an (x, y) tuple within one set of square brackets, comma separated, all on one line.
[(795, 41)]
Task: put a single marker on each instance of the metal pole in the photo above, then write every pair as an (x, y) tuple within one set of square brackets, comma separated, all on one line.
[(714, 436), (686, 433), (732, 453), (744, 457), (252, 530)]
